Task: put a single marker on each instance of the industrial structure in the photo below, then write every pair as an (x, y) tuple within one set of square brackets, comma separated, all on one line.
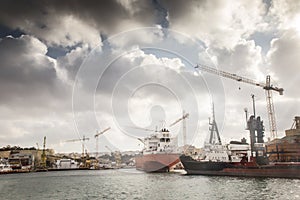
[(26, 159), (84, 155), (43, 156), (214, 135), (97, 136), (237, 159), (267, 86), (184, 116), (286, 149)]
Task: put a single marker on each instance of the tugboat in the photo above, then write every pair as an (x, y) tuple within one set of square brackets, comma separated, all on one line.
[(159, 154), (240, 159)]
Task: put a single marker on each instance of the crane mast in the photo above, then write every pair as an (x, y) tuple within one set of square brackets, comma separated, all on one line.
[(266, 86), (96, 136), (184, 116), (270, 109)]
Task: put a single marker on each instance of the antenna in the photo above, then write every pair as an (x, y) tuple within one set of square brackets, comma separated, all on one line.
[(253, 102), (246, 113)]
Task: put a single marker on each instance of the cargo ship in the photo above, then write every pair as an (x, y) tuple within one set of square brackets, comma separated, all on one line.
[(242, 159), (159, 153)]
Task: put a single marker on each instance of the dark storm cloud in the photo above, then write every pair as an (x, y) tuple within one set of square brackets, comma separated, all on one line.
[(179, 8), (27, 74), (107, 16), (4, 31)]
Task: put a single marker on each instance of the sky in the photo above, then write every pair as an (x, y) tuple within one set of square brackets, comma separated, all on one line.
[(73, 68)]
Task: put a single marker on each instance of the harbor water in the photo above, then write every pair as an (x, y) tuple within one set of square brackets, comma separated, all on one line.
[(133, 184)]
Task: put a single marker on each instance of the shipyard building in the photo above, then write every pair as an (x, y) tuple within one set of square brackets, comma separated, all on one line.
[(286, 149)]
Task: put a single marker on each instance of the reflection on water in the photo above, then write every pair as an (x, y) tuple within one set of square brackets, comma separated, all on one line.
[(132, 184)]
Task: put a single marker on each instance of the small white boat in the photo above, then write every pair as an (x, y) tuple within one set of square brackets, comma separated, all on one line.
[(5, 167)]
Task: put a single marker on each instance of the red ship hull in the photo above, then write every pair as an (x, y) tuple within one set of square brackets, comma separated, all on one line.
[(279, 170), (156, 162)]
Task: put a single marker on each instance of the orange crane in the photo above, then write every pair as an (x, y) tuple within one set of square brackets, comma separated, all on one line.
[(266, 86), (96, 136)]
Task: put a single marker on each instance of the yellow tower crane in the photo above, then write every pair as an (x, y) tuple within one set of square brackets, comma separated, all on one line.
[(266, 86)]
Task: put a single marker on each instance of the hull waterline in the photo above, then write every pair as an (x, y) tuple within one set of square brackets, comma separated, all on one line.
[(156, 162), (280, 170)]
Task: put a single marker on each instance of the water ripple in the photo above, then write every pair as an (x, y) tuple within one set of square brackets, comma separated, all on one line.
[(132, 184)]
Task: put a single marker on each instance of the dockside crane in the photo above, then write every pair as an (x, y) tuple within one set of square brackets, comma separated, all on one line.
[(96, 136), (184, 116), (83, 139), (267, 86), (143, 129), (42, 162)]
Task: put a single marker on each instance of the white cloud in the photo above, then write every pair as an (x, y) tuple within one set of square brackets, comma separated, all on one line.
[(156, 80), (65, 30), (71, 62), (286, 13), (244, 59), (284, 60), (218, 23), (36, 100), (136, 38)]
